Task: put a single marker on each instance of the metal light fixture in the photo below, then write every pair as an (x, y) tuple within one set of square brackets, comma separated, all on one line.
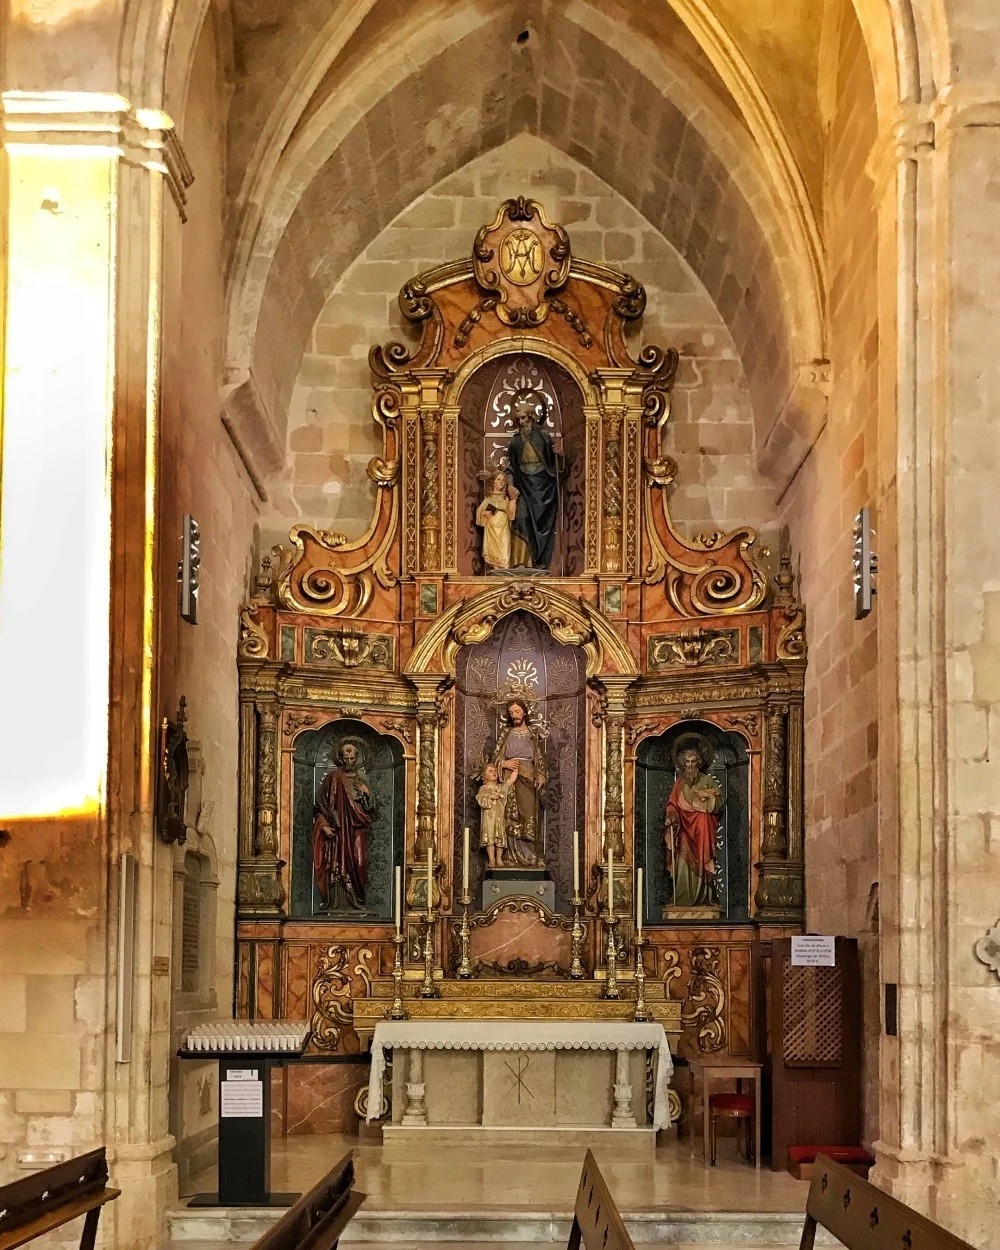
[(189, 569), (865, 564)]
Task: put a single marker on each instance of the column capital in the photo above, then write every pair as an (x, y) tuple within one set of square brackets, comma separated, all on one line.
[(908, 136), (104, 123)]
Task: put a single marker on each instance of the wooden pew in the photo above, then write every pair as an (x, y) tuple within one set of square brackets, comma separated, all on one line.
[(319, 1217), (596, 1222), (48, 1199), (863, 1217)]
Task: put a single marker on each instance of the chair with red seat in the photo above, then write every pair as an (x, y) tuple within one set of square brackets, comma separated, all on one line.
[(738, 1107)]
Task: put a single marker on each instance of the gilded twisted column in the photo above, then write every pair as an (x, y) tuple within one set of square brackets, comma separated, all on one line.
[(427, 728), (612, 716), (779, 893), (774, 843), (612, 553), (260, 890), (430, 491)]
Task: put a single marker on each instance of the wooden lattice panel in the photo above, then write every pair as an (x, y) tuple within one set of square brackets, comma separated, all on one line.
[(813, 1012)]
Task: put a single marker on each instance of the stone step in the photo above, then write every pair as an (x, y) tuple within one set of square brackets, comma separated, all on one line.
[(427, 1245), (232, 1225)]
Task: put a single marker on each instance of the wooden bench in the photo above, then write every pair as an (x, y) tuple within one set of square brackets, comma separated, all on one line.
[(596, 1222), (318, 1219), (48, 1199), (863, 1217)]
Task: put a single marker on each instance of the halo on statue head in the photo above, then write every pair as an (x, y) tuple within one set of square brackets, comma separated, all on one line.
[(539, 398), (517, 692), (337, 750), (694, 742)]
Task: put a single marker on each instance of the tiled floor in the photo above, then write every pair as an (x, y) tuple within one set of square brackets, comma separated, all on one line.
[(471, 1177)]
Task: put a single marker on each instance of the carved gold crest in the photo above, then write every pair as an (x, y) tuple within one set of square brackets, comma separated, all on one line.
[(523, 257)]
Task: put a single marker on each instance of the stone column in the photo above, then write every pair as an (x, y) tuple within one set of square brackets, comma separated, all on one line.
[(939, 645), (415, 1110), (623, 1116), (86, 204)]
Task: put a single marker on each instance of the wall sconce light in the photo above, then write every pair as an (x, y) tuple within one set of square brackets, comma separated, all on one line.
[(189, 569), (865, 564)]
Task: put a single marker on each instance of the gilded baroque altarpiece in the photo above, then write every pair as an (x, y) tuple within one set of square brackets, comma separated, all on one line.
[(359, 663)]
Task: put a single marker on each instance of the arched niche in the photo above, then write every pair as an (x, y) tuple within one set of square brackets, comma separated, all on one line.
[(485, 425), (522, 656), (655, 773), (381, 758)]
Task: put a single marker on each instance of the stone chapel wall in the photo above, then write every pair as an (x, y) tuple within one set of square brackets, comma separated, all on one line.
[(838, 477), (202, 475), (332, 436)]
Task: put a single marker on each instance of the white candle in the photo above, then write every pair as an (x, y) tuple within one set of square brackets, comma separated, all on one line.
[(638, 901), (399, 899), (576, 863), (465, 862), (430, 879), (611, 880)]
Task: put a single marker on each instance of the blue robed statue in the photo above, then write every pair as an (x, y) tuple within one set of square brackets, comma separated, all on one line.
[(535, 467)]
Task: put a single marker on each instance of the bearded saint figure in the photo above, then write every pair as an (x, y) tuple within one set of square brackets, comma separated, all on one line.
[(691, 827), (344, 811), (519, 758), (535, 467)]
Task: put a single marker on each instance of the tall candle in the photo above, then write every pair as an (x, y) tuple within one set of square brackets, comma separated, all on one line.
[(399, 899), (430, 879), (465, 862), (638, 901), (611, 880), (576, 863)]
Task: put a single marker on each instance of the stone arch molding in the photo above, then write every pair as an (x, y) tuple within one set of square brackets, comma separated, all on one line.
[(343, 178), (570, 621)]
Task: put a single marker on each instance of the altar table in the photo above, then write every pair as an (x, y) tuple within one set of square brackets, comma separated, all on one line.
[(502, 1092)]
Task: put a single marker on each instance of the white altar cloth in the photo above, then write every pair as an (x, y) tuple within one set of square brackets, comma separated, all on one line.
[(523, 1035)]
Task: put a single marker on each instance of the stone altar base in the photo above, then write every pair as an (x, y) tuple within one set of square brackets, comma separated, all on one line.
[(492, 1095)]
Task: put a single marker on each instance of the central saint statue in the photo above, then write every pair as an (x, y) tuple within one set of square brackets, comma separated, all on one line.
[(519, 759), (534, 467)]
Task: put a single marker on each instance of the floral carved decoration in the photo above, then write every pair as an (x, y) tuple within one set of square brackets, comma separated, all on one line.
[(331, 994), (706, 999)]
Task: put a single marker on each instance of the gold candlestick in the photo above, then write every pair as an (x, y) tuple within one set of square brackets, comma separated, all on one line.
[(576, 971), (464, 966), (641, 1014), (428, 989), (398, 1010), (611, 984)]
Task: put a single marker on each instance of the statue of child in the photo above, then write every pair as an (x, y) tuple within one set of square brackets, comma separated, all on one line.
[(492, 798)]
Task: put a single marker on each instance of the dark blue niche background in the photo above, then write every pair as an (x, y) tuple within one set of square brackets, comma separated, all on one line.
[(654, 777), (384, 772)]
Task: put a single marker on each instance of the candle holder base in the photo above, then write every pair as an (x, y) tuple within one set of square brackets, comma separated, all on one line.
[(641, 1014), (611, 958), (428, 989), (464, 965), (398, 1009), (576, 969)]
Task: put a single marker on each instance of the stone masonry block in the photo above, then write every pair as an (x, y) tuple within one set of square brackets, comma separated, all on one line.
[(42, 1061), (13, 1004)]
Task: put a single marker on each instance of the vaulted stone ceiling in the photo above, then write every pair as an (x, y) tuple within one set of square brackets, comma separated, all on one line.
[(703, 113)]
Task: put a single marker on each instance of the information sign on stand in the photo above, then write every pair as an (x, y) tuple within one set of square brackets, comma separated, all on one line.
[(814, 951)]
